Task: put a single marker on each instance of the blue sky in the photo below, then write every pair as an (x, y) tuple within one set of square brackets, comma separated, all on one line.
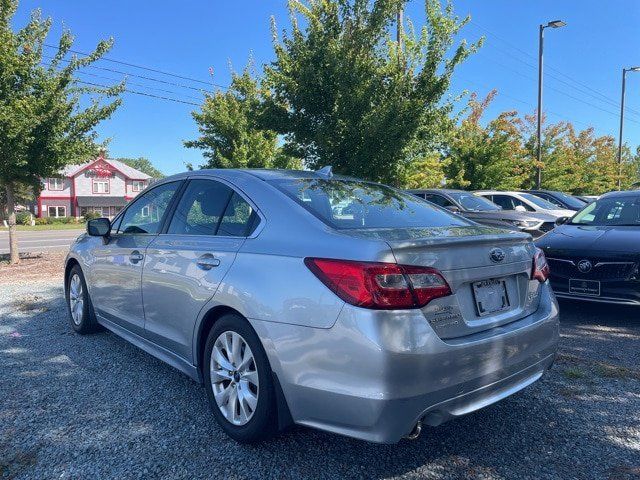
[(583, 60)]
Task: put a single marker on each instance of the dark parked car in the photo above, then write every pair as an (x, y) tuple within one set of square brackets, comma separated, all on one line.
[(481, 210), (595, 255), (561, 199)]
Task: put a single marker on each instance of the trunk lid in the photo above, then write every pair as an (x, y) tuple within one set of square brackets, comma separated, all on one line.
[(479, 263)]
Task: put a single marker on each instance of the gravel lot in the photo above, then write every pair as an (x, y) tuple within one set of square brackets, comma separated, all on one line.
[(97, 407)]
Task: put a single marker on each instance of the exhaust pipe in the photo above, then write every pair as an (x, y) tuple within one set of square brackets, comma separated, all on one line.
[(415, 433)]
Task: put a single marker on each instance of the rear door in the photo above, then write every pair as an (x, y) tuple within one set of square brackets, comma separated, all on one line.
[(185, 264), (116, 272)]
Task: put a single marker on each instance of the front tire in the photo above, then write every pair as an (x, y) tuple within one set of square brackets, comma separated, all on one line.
[(81, 315), (238, 381)]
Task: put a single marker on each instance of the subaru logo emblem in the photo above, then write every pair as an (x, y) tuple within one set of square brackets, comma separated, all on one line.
[(497, 255), (584, 266)]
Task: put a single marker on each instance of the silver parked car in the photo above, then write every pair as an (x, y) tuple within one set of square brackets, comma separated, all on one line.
[(308, 298)]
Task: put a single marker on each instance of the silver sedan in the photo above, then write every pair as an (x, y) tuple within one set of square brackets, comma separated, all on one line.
[(325, 301)]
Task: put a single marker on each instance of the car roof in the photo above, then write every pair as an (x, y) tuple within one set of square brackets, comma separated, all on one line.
[(261, 173), (622, 193), (436, 190), (496, 192)]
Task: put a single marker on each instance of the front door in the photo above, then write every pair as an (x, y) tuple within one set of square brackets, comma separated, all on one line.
[(185, 266), (116, 271)]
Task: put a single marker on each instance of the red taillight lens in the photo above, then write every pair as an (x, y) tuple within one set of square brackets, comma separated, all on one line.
[(379, 285), (540, 270)]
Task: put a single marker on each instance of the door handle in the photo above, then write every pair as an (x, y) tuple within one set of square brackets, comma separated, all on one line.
[(135, 256), (207, 262)]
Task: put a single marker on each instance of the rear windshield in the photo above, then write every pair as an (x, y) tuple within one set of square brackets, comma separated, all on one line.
[(475, 203), (620, 211), (540, 202), (346, 204), (573, 202)]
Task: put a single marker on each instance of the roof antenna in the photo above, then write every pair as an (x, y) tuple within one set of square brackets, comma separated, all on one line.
[(325, 172)]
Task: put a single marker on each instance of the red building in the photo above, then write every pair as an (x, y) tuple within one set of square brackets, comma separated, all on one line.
[(101, 185)]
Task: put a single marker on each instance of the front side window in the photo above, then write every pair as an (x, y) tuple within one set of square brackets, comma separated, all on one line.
[(101, 186), (145, 214), (611, 211), (56, 184), (346, 204), (503, 201)]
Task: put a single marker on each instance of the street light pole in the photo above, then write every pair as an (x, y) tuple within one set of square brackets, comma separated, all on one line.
[(552, 24), (624, 81)]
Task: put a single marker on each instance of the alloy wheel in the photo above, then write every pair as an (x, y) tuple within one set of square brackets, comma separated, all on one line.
[(234, 377), (76, 299)]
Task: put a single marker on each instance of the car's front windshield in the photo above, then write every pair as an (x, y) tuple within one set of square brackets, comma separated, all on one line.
[(344, 204), (474, 203), (540, 202), (573, 202), (609, 211)]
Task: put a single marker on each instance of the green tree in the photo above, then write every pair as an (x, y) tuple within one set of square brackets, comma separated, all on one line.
[(344, 93), (144, 165), (231, 134), (486, 157), (42, 124)]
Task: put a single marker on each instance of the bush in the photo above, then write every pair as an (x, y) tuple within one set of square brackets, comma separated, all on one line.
[(23, 218), (42, 221), (91, 216), (62, 220)]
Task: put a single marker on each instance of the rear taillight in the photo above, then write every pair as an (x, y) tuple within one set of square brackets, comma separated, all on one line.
[(540, 270), (380, 285)]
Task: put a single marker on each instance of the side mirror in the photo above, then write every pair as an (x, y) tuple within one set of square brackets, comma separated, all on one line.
[(99, 227), (562, 220), (453, 209), (520, 208)]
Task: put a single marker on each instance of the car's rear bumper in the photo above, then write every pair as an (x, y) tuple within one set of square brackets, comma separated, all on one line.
[(375, 374)]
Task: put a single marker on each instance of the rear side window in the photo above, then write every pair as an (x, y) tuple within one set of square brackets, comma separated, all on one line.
[(201, 208), (438, 200), (208, 207), (344, 204)]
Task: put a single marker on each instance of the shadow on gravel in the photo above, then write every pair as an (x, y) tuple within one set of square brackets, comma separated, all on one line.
[(97, 407)]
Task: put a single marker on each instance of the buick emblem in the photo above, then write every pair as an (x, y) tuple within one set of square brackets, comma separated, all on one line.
[(584, 266), (497, 255)]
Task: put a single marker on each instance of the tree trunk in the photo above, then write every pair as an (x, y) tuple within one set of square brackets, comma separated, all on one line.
[(14, 258)]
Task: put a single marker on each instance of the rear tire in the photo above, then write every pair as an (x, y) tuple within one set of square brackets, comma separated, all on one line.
[(81, 314), (239, 381)]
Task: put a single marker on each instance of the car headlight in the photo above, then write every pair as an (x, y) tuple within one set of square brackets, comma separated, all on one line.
[(525, 224)]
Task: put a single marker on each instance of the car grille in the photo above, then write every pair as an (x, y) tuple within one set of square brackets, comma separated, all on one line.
[(547, 227), (600, 270)]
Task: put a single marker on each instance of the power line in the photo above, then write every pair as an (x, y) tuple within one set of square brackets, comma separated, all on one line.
[(143, 77), (584, 86), (155, 70), (140, 93)]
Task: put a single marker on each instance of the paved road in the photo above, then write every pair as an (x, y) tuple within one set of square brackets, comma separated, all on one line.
[(40, 240), (95, 406)]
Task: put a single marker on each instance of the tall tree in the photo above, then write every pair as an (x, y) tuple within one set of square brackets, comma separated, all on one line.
[(144, 165), (42, 123), (483, 157), (346, 94), (231, 134)]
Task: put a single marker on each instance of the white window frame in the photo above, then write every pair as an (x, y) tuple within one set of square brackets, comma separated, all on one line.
[(57, 210), (52, 184), (97, 182), (137, 185)]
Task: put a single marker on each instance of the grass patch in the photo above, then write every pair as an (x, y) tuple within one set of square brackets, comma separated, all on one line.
[(50, 226), (615, 371)]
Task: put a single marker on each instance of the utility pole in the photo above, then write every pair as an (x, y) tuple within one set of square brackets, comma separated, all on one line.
[(624, 75), (552, 24)]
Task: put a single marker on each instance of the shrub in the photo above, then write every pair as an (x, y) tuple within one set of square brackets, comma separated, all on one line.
[(42, 221), (91, 216), (23, 218)]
